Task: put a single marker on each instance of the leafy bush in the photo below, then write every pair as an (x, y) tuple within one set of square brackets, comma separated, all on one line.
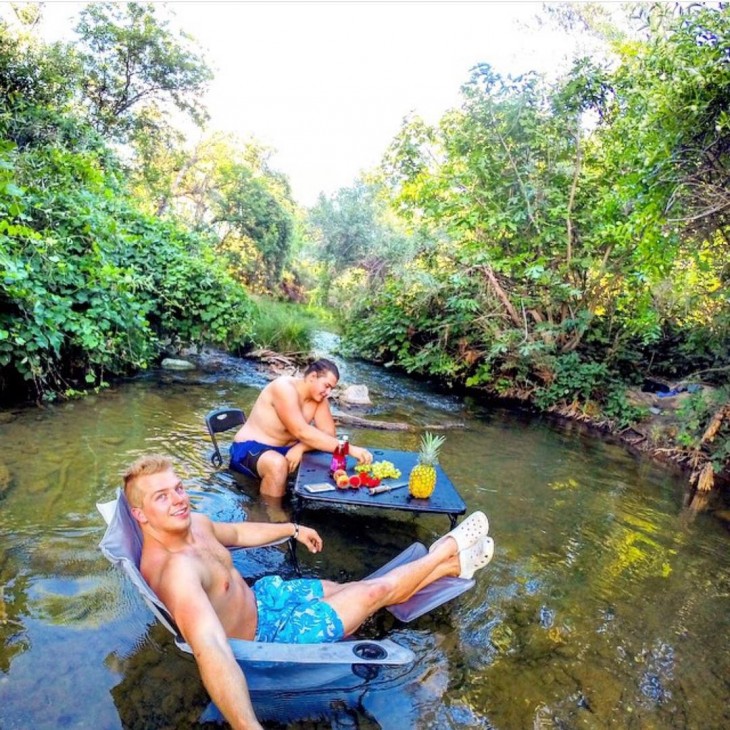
[(695, 415), (89, 285), (585, 382)]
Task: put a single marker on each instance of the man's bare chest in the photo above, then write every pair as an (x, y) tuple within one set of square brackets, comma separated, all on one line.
[(307, 409), (216, 566)]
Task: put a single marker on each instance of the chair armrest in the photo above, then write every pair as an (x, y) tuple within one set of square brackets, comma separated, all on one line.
[(384, 652)]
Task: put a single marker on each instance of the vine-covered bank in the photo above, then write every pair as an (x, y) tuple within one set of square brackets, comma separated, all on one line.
[(565, 242)]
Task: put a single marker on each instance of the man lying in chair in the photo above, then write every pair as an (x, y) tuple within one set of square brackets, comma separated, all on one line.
[(290, 416), (185, 562)]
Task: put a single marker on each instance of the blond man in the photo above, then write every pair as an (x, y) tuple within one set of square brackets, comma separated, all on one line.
[(186, 562)]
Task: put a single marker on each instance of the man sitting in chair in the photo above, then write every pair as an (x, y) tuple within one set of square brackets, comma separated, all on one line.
[(290, 416), (185, 562)]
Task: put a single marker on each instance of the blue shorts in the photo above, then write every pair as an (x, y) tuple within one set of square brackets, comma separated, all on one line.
[(245, 455), (293, 612)]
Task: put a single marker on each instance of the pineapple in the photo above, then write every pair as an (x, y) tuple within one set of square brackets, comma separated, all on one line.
[(422, 480)]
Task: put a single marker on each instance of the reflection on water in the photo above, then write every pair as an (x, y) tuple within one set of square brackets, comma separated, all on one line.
[(606, 604)]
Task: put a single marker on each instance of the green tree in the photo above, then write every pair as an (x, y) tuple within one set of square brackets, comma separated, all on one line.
[(354, 240), (89, 286), (133, 65), (227, 189), (578, 230)]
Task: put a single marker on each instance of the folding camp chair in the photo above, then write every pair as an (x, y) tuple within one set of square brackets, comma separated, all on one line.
[(265, 664), (218, 421), (273, 665)]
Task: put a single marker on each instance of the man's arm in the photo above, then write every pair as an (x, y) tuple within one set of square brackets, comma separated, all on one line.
[(253, 534), (286, 404), (199, 624), (323, 418), (324, 422), (285, 401)]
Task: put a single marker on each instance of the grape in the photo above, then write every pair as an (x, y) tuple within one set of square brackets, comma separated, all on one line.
[(380, 469)]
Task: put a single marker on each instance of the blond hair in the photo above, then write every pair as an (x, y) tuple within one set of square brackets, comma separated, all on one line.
[(142, 467)]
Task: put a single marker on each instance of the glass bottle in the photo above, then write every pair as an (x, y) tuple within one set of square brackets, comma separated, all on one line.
[(339, 458)]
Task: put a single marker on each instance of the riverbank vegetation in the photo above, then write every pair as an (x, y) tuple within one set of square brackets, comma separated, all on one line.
[(562, 241), (567, 241), (115, 244)]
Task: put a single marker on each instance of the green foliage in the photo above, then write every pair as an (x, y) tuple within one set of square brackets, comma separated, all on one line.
[(346, 226), (695, 415), (586, 383), (573, 235), (226, 189), (89, 286), (69, 312), (281, 327), (132, 64), (355, 240), (190, 298), (419, 321), (250, 213), (30, 75)]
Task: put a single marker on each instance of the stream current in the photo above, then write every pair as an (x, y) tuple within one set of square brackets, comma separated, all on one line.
[(606, 605)]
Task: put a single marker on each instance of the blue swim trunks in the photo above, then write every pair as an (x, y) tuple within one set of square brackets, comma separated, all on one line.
[(245, 455), (293, 611)]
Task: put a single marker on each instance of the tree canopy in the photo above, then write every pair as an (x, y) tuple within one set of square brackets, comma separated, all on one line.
[(573, 233), (91, 286)]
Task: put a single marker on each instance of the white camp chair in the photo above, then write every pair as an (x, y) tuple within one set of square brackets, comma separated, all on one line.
[(263, 662), (274, 665)]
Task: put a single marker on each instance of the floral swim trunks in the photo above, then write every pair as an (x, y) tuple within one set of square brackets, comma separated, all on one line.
[(293, 611)]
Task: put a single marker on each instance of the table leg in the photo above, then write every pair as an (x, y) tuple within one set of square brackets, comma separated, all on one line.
[(298, 508), (292, 544), (452, 519)]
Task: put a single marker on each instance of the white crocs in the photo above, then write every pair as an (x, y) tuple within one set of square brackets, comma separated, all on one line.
[(465, 534), (476, 557)]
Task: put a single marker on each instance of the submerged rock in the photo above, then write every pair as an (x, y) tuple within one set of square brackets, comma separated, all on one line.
[(171, 363)]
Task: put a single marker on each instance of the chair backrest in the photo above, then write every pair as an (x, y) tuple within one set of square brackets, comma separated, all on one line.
[(122, 545), (221, 420)]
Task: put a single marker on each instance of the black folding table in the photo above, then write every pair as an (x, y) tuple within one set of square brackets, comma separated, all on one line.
[(314, 469)]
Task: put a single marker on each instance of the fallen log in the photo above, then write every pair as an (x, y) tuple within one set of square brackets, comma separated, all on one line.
[(348, 420)]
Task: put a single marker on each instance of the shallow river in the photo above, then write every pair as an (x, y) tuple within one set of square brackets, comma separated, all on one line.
[(606, 605)]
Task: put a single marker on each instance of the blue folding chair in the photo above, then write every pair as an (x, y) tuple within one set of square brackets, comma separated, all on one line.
[(263, 662)]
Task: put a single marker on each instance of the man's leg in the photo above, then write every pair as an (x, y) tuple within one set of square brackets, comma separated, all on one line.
[(355, 602), (273, 469)]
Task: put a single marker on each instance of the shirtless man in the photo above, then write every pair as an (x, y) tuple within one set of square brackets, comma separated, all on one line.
[(290, 416), (185, 561)]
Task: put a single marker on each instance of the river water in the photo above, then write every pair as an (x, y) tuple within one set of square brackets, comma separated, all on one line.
[(606, 604)]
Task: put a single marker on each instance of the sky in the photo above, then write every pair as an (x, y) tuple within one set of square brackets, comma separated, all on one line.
[(326, 84)]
